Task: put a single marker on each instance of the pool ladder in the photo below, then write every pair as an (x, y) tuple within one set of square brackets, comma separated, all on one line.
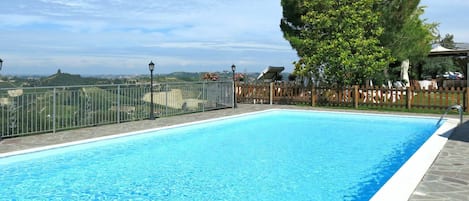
[(453, 107)]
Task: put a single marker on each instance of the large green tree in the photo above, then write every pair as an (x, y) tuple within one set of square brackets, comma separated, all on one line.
[(292, 24), (313, 26), (406, 34), (337, 40), (398, 16), (413, 40)]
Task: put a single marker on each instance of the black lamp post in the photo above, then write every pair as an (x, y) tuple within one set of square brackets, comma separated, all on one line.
[(233, 68), (151, 67)]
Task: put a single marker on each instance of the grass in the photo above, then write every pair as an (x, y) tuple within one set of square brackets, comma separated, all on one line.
[(389, 109), (438, 99), (424, 102)]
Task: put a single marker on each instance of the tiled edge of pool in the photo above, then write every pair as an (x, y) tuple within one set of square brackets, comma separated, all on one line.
[(399, 187), (402, 184), (56, 146)]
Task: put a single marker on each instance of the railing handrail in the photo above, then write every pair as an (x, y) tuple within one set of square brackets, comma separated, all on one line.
[(29, 110), (112, 85)]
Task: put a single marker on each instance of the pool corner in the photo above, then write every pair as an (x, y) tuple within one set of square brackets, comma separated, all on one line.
[(403, 183)]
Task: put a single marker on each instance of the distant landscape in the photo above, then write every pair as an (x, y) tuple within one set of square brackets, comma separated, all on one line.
[(66, 79)]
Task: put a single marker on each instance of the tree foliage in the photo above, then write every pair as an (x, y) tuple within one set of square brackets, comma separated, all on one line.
[(336, 40), (447, 41), (66, 79), (413, 41), (349, 41), (292, 24), (405, 34), (437, 66)]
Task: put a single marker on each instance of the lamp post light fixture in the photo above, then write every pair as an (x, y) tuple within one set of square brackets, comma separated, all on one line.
[(233, 68), (151, 67)]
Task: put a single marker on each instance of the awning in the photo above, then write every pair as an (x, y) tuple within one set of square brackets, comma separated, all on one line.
[(270, 73), (442, 51)]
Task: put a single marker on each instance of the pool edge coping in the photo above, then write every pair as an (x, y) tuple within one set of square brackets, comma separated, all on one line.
[(120, 135), (403, 183)]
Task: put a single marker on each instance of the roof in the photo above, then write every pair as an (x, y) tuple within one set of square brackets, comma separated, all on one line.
[(440, 48), (441, 51), (271, 72)]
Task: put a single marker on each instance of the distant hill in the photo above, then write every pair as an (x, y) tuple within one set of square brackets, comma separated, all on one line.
[(66, 79), (7, 85), (183, 76), (464, 46)]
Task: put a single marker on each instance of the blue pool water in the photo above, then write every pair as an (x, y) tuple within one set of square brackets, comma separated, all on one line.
[(275, 155)]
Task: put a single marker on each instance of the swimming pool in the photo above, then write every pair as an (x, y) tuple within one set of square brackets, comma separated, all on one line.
[(274, 155)]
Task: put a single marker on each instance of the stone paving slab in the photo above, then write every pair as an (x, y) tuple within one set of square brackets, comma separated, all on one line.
[(447, 179)]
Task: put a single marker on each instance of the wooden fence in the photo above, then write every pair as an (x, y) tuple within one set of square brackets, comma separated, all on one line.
[(353, 97)]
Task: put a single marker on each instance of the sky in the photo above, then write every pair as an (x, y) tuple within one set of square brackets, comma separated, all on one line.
[(451, 15), (95, 37)]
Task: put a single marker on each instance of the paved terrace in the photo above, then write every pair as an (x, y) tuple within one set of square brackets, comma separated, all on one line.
[(447, 179)]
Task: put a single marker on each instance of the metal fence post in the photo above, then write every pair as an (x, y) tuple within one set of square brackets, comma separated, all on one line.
[(166, 99), (233, 94), (118, 103), (271, 95), (54, 109), (203, 95)]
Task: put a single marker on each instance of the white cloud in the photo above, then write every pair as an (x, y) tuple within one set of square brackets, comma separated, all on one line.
[(75, 3), (192, 35), (18, 20), (225, 46), (185, 34)]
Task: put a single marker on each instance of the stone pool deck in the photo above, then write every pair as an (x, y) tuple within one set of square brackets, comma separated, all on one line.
[(447, 179)]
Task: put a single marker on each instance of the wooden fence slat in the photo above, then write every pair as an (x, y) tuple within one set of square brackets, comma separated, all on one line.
[(467, 98), (354, 96), (447, 98), (440, 96), (313, 96)]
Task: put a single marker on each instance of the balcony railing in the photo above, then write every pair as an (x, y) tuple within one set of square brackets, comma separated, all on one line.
[(25, 111)]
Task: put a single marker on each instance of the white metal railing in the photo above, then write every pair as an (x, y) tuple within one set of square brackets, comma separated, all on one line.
[(25, 111)]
